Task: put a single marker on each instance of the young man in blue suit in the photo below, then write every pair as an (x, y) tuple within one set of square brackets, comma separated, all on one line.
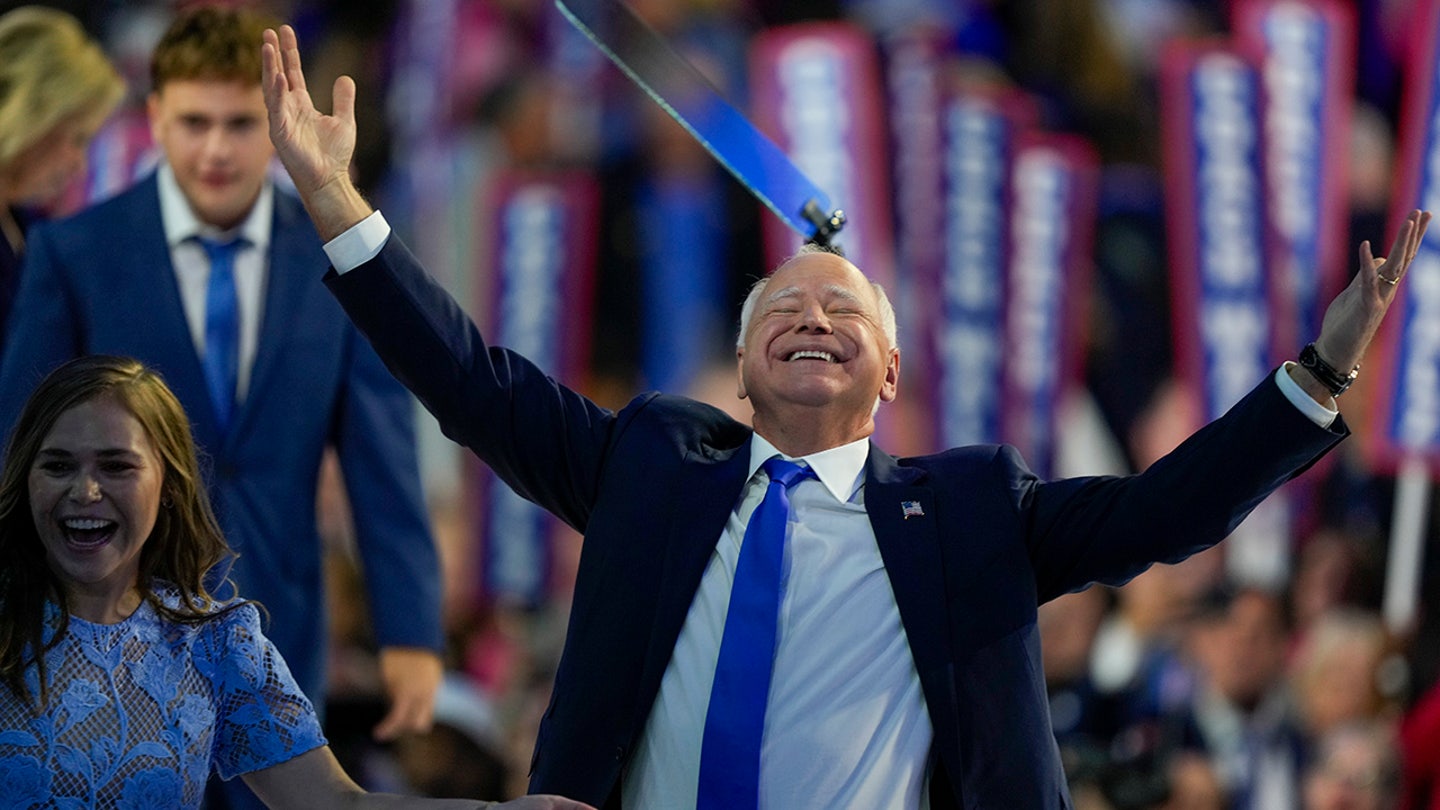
[(901, 667), (136, 276)]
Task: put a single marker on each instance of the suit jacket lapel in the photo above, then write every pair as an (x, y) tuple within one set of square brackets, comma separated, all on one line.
[(903, 513), (150, 286), (710, 484), (283, 295)]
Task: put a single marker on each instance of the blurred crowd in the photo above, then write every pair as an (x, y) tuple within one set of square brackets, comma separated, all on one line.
[(1183, 689)]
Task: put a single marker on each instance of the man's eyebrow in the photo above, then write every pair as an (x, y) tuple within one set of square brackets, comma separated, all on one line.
[(784, 292), (842, 292), (834, 290)]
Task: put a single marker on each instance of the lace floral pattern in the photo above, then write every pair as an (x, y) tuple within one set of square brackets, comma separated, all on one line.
[(141, 711)]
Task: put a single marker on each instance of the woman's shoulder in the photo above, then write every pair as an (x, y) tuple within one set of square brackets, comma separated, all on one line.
[(214, 619), (170, 595)]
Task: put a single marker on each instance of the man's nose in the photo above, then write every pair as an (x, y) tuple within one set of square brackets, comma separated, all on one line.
[(814, 319), (216, 144)]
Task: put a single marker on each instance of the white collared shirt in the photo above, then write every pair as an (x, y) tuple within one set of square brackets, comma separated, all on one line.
[(846, 723), (192, 267)]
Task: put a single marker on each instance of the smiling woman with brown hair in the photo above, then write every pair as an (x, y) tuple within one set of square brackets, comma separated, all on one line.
[(126, 681)]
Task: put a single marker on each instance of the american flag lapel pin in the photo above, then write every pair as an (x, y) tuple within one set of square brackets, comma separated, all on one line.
[(911, 509)]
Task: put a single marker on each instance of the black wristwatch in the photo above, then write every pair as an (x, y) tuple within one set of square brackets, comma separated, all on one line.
[(1312, 362)]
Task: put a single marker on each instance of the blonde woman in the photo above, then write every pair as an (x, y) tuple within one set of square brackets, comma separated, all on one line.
[(56, 89)]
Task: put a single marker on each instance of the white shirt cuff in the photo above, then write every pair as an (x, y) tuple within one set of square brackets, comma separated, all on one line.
[(1319, 414), (358, 245)]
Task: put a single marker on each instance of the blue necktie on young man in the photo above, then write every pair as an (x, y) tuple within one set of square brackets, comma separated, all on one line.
[(221, 359)]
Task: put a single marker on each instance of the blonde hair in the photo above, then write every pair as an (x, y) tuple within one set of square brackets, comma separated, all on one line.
[(51, 71)]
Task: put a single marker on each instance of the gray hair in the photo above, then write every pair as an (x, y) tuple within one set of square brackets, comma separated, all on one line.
[(882, 301)]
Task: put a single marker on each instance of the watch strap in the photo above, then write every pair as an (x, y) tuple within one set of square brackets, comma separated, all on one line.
[(1328, 376)]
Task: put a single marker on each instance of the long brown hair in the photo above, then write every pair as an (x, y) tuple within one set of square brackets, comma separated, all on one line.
[(185, 543)]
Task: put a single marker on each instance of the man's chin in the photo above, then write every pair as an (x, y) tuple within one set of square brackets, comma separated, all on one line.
[(219, 215), (820, 395), (219, 204)]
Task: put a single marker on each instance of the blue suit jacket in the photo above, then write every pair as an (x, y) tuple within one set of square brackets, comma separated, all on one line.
[(102, 282), (651, 486)]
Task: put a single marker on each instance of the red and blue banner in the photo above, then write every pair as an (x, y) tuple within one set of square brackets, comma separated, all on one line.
[(681, 246), (1054, 197), (914, 77), (1406, 359), (815, 90), (1215, 219), (427, 180), (422, 85), (537, 297), (981, 131), (1307, 52)]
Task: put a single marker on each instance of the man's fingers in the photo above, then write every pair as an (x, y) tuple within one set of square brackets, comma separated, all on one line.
[(1418, 234), (344, 98), (1408, 239), (389, 727), (1412, 232), (290, 55), (404, 717), (392, 724), (269, 47), (1402, 236), (1409, 230), (272, 80)]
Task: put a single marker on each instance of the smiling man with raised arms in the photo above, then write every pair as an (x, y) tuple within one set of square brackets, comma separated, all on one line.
[(785, 615)]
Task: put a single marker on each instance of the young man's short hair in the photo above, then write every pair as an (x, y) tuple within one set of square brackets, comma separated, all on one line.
[(210, 43)]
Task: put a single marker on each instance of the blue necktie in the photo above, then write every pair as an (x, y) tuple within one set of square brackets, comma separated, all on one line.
[(735, 720), (222, 328)]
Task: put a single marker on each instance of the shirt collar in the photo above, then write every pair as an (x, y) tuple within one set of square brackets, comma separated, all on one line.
[(180, 222), (841, 469)]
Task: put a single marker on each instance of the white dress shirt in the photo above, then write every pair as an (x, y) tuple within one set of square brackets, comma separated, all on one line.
[(192, 266), (846, 724)]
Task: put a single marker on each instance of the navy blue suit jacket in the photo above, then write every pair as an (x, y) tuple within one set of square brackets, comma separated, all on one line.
[(651, 486), (102, 282)]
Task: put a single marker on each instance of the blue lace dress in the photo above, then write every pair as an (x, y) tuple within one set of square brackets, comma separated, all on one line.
[(140, 711)]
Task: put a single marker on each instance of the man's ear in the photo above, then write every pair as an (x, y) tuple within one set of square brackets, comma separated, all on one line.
[(890, 387), (152, 111), (740, 371)]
